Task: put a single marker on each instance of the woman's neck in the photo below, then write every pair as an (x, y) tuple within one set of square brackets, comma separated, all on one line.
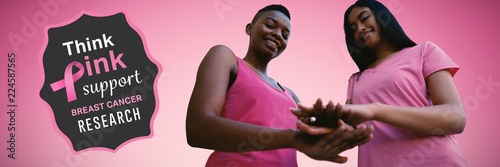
[(384, 49), (383, 52), (259, 64)]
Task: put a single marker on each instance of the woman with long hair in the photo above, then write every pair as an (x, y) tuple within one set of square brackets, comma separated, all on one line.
[(403, 89)]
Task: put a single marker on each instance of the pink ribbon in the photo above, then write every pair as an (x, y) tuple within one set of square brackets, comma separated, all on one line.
[(68, 80)]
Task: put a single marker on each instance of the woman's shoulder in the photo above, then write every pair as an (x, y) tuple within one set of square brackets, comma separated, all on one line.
[(221, 50), (424, 48), (427, 45), (220, 57), (221, 54), (354, 75)]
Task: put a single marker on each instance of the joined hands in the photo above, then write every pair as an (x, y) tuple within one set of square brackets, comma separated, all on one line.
[(322, 133)]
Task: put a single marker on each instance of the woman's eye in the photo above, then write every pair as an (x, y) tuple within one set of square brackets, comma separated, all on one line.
[(365, 18)]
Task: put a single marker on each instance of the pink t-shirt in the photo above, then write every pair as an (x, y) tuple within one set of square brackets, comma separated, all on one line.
[(252, 100), (400, 81)]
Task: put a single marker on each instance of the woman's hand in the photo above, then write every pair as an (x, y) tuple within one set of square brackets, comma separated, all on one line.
[(322, 116), (360, 113), (323, 135), (323, 143)]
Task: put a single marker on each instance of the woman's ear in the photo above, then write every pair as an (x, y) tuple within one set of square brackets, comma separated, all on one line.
[(248, 29)]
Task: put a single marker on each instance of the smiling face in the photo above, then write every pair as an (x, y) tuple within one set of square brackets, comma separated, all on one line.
[(269, 33), (363, 24)]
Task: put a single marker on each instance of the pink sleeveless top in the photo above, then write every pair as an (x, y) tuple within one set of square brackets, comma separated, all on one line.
[(252, 100)]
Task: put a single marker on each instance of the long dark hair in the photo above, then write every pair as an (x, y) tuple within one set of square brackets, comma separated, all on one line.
[(389, 28)]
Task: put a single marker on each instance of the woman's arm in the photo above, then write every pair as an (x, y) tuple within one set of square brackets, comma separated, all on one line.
[(445, 116), (339, 138), (205, 128)]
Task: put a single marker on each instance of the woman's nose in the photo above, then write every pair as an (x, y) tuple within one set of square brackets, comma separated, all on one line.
[(277, 34)]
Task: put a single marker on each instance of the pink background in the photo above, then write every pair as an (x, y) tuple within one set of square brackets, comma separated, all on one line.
[(315, 65)]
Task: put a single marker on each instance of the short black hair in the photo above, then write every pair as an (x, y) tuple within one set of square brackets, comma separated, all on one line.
[(273, 7)]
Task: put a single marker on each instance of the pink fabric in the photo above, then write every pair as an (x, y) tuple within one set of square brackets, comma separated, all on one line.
[(400, 81), (251, 100)]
